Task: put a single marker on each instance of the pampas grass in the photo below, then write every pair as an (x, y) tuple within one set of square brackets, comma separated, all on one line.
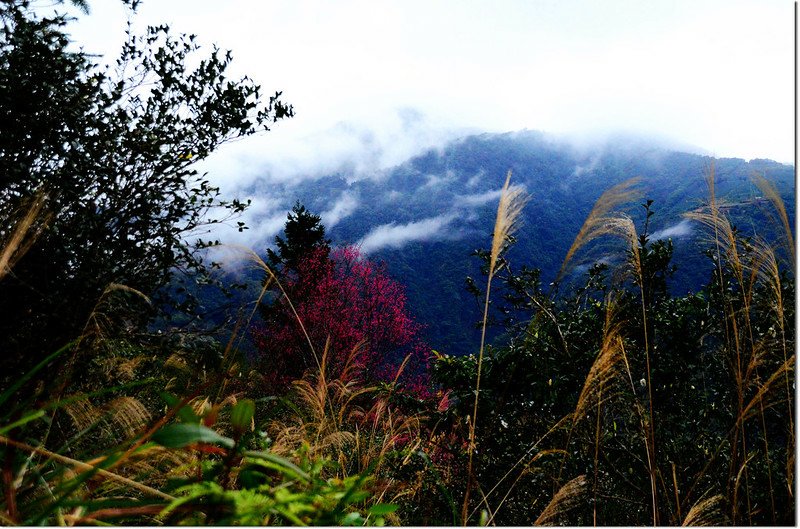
[(512, 201), (771, 193), (23, 234), (85, 467), (751, 264), (602, 221), (604, 370), (599, 221), (568, 497), (706, 513)]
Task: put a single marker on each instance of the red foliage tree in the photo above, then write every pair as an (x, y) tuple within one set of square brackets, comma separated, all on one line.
[(350, 303)]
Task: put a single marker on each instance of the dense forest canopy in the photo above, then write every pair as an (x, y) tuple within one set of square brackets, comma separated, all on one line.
[(597, 389), (428, 215)]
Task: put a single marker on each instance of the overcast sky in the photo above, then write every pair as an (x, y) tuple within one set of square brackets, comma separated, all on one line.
[(375, 82), (716, 74)]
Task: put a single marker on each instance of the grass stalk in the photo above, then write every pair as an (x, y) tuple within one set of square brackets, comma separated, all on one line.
[(86, 467), (24, 234), (651, 419), (596, 455), (512, 200), (567, 498)]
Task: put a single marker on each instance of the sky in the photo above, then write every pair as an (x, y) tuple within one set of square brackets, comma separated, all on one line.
[(375, 82), (717, 74)]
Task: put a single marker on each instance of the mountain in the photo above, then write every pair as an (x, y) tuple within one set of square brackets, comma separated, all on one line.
[(425, 217)]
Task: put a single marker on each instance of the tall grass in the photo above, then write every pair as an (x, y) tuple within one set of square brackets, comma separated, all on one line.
[(603, 220), (18, 238), (751, 265), (512, 201), (340, 432), (567, 498)]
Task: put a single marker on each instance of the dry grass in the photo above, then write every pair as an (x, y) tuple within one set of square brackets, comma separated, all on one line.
[(768, 271), (568, 497), (600, 219), (724, 239), (771, 193), (272, 277), (120, 419), (605, 369), (23, 233), (335, 423), (751, 264), (706, 513), (765, 390), (512, 201), (84, 467)]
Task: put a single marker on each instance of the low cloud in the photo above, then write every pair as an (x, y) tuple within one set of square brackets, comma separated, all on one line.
[(344, 206), (395, 236), (392, 196), (362, 147), (435, 181), (681, 229), (476, 179), (589, 166), (590, 144), (478, 199)]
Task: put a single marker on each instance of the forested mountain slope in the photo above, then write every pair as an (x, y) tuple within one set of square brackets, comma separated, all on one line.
[(426, 216)]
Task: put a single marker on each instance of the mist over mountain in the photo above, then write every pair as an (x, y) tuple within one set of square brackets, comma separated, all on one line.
[(426, 216)]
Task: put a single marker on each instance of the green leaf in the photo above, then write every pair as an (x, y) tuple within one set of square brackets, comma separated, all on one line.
[(382, 509), (185, 413), (278, 463), (242, 414), (182, 434), (28, 418), (352, 518)]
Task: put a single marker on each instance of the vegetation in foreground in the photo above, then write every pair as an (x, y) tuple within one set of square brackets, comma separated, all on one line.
[(615, 404)]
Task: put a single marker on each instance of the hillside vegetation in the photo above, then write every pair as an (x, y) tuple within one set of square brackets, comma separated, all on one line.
[(596, 391), (427, 216)]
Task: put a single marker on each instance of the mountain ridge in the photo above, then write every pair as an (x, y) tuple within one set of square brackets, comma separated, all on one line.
[(425, 217)]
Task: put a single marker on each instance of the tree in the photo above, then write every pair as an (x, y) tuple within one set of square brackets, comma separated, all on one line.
[(304, 234), (112, 151), (354, 307)]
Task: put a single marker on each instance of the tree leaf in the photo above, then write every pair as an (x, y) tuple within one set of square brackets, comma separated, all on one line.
[(382, 509), (185, 412), (242, 414), (182, 434)]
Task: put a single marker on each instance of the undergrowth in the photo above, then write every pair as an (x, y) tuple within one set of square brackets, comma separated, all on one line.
[(616, 403)]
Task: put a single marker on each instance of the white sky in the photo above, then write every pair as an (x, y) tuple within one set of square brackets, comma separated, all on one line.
[(715, 74)]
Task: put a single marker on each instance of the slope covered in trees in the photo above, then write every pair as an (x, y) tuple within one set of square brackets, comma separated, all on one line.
[(610, 393), (426, 217), (351, 311)]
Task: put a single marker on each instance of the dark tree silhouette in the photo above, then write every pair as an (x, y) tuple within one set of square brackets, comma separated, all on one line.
[(304, 234), (112, 151)]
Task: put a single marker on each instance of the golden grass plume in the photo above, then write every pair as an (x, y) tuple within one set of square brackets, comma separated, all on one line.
[(568, 497), (512, 201), (23, 234), (597, 223), (706, 513), (771, 194), (605, 369)]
